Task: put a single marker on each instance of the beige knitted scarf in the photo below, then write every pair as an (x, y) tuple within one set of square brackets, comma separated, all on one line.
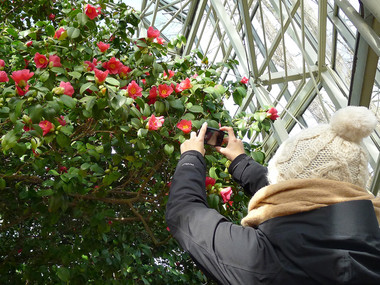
[(301, 195)]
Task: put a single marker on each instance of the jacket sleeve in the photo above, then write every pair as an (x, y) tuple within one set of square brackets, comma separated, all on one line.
[(251, 175), (227, 252)]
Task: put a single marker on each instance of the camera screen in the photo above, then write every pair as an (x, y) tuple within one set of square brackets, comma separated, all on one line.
[(214, 137)]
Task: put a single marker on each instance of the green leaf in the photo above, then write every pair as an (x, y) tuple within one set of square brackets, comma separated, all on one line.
[(63, 140), (141, 133), (258, 156), (75, 74), (63, 274), (12, 32), (73, 32), (212, 173), (82, 19), (110, 178), (9, 140), (260, 116), (168, 148), (44, 76), (85, 86), (68, 101), (50, 31), (196, 109), (112, 81), (46, 192), (176, 104)]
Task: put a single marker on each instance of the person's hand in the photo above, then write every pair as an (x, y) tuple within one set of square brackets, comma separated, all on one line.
[(195, 142), (234, 147)]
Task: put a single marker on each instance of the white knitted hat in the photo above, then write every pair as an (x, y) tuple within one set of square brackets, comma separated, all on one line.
[(332, 151)]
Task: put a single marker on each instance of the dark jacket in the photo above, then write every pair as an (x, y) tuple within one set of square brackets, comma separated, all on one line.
[(338, 244)]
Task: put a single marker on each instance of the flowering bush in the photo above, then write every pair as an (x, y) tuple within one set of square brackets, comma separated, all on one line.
[(91, 120)]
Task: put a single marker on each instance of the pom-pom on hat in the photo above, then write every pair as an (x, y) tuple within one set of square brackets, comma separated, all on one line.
[(331, 151)]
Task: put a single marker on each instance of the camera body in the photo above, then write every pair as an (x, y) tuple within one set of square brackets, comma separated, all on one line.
[(214, 137)]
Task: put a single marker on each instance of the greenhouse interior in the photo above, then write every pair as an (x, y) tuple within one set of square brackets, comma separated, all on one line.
[(99, 100), (306, 58)]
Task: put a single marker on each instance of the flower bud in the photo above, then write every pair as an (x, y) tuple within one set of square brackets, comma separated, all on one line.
[(26, 119), (58, 90)]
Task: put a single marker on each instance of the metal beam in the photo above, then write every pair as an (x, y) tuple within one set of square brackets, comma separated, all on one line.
[(365, 31), (364, 67), (194, 28), (374, 7), (279, 77), (244, 14)]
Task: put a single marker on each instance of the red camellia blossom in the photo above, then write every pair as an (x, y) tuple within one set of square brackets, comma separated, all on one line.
[(226, 194), (272, 114), (155, 123), (62, 169), (100, 76), (185, 126), (2, 64), (21, 77), (61, 120), (152, 95), (54, 61), (164, 90), (29, 43), (171, 74), (3, 76), (160, 41), (22, 91), (185, 84), (210, 182), (134, 90), (152, 33), (60, 34), (103, 47), (113, 65), (244, 80), (124, 70), (46, 127), (69, 89), (91, 65), (91, 11), (52, 16), (40, 60)]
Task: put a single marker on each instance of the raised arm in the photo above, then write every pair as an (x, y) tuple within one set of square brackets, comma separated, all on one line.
[(248, 173)]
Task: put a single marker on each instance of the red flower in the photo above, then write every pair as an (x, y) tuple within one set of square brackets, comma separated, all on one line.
[(40, 60), (69, 90), (100, 76), (103, 47), (176, 88), (124, 70), (52, 16), (244, 80), (185, 126), (226, 194), (21, 77), (92, 65), (210, 181), (26, 62), (152, 33), (155, 123), (91, 11), (54, 61), (29, 43), (113, 65), (164, 90), (62, 169), (61, 121), (160, 41), (185, 84), (60, 34), (22, 91), (153, 92), (171, 74), (46, 127), (134, 90), (2, 64), (272, 114), (3, 76)]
